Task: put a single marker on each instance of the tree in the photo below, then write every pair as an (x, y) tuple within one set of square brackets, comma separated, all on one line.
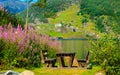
[(27, 10), (39, 3)]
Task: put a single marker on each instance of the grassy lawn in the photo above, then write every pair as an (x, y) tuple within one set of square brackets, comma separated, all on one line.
[(62, 71)]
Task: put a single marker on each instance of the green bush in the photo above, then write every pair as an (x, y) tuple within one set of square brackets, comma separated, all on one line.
[(106, 52), (22, 62)]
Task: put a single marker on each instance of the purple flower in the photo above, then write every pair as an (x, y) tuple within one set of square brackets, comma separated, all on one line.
[(27, 38)]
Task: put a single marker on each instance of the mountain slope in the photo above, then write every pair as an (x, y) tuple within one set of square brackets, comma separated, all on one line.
[(52, 7), (13, 6), (6, 18)]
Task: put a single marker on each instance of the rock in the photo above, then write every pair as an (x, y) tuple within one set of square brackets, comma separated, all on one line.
[(10, 72), (27, 72), (100, 73)]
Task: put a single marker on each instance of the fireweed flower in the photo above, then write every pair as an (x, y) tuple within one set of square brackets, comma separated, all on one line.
[(28, 42), (27, 37)]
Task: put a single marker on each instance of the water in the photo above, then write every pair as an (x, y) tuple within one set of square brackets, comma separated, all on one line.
[(80, 46)]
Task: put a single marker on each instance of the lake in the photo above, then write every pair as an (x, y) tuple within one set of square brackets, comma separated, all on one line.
[(78, 45)]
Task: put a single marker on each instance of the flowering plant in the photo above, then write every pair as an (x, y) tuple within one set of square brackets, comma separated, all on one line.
[(26, 44)]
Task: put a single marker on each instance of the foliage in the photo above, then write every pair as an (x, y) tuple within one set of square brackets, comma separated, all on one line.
[(106, 52), (103, 13), (99, 25), (6, 18), (22, 47), (101, 7), (40, 3)]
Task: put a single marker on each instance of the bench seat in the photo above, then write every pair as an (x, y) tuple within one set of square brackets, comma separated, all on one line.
[(81, 60), (84, 62), (50, 62)]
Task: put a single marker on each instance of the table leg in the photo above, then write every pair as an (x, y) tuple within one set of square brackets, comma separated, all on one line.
[(61, 61), (71, 61)]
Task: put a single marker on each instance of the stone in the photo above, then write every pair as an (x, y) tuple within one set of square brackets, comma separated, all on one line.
[(100, 73), (10, 72), (27, 72)]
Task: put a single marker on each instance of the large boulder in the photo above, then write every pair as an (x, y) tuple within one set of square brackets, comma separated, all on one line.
[(27, 72)]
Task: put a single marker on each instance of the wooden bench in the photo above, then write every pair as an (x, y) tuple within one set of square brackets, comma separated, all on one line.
[(84, 62), (49, 61)]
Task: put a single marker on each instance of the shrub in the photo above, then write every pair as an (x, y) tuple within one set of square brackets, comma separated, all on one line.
[(106, 52), (22, 47)]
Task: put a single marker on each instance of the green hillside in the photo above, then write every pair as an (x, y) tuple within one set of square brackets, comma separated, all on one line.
[(105, 13), (68, 16), (70, 21), (52, 7), (86, 18)]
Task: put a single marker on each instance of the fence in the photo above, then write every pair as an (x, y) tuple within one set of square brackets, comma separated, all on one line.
[(78, 45)]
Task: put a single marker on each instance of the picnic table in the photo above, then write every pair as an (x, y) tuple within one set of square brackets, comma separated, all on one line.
[(61, 60)]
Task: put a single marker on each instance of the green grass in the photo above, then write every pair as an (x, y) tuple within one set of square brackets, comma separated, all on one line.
[(62, 71), (68, 16)]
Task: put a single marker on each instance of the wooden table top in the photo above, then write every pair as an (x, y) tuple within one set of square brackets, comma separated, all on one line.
[(65, 54)]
